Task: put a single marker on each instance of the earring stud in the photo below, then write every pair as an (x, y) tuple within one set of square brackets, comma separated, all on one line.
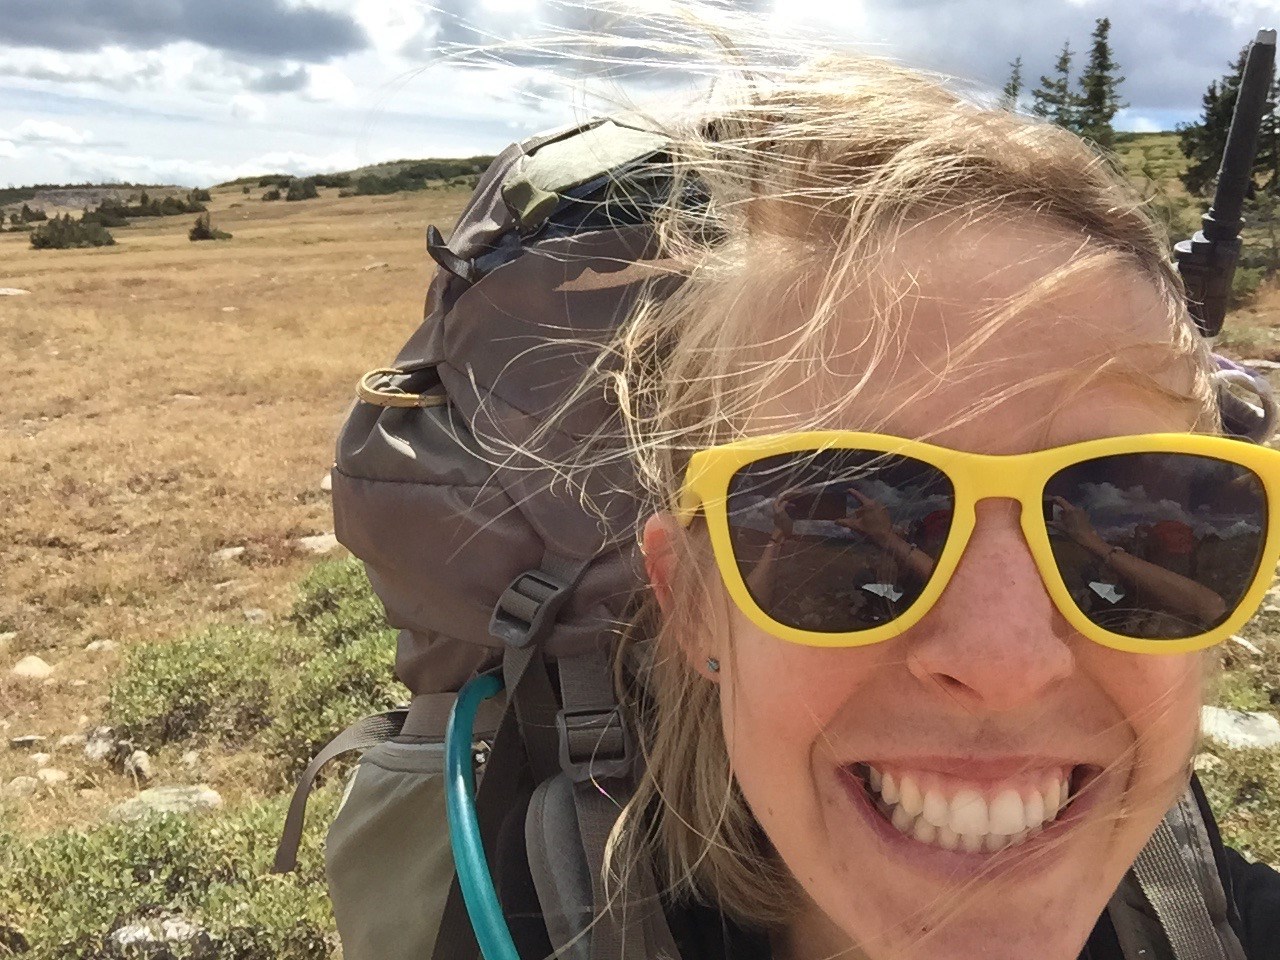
[(713, 664)]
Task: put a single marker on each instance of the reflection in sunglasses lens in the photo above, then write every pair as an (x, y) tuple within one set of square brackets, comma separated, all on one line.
[(836, 541), (1156, 545)]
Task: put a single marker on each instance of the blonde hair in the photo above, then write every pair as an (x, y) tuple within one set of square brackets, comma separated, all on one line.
[(821, 168)]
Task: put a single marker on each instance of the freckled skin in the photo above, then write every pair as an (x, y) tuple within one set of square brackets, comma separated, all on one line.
[(993, 669)]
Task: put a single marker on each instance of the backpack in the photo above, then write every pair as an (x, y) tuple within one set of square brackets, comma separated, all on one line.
[(487, 560)]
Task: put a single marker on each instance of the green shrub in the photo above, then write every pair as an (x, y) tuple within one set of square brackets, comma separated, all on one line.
[(332, 691), (304, 189), (337, 606), (1243, 791), (203, 229), (67, 891), (216, 684), (1245, 284), (272, 194), (63, 233)]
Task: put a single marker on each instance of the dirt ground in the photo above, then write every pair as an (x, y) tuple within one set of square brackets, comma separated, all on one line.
[(164, 399)]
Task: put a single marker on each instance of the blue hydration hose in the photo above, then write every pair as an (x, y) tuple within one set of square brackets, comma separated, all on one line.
[(492, 933)]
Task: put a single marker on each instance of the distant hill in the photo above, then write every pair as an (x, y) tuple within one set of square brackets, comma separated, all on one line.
[(76, 194), (435, 169)]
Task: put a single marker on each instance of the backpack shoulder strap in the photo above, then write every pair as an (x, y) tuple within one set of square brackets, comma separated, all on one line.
[(1171, 905)]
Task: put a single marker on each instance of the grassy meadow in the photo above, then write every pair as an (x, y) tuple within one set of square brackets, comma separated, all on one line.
[(166, 400)]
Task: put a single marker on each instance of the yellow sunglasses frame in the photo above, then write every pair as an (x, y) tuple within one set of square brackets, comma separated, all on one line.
[(975, 477)]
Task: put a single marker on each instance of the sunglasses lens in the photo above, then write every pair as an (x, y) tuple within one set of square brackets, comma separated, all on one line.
[(837, 541), (1156, 545)]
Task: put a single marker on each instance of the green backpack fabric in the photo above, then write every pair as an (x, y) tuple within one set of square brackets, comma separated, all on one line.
[(485, 559)]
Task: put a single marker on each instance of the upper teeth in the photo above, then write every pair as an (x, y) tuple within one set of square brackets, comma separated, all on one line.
[(971, 817)]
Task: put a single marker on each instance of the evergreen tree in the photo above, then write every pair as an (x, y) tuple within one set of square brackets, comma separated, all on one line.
[(1054, 99), (1099, 99), (1202, 143), (1013, 86)]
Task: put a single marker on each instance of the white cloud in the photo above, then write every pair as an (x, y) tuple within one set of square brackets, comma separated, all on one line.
[(46, 131), (8, 149), (330, 84), (245, 106), (1126, 120), (99, 166)]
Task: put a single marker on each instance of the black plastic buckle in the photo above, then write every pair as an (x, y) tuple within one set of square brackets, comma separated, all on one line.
[(527, 609), (594, 745)]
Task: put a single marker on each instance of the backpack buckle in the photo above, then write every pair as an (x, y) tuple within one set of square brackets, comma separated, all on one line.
[(527, 609), (594, 744)]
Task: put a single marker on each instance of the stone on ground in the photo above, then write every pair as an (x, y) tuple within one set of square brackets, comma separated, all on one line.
[(139, 765), (319, 544), (31, 668), (175, 800), (1240, 729), (20, 787), (51, 776), (28, 742)]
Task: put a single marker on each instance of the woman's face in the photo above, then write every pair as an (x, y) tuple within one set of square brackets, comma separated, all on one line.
[(992, 694)]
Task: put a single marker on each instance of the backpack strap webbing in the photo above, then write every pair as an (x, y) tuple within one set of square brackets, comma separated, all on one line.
[(1177, 876)]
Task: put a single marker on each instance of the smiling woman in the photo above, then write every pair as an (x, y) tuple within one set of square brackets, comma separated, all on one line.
[(939, 517)]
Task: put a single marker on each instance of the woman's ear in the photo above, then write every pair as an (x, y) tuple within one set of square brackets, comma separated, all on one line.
[(658, 546)]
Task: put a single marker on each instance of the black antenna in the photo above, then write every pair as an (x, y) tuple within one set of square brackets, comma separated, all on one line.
[(1207, 262)]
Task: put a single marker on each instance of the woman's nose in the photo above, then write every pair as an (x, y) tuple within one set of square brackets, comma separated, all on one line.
[(994, 640)]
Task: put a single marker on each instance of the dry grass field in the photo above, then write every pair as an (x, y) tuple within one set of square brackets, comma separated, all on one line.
[(163, 399)]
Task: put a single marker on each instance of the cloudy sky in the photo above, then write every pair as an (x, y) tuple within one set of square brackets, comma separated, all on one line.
[(198, 91)]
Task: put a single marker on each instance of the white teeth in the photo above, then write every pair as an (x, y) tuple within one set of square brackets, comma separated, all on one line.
[(924, 831), (901, 819), (1006, 813), (1033, 808), (936, 808), (1051, 792), (968, 820), (911, 798), (969, 813), (889, 789)]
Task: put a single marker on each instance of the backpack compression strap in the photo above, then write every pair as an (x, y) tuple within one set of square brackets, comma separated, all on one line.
[(1177, 879)]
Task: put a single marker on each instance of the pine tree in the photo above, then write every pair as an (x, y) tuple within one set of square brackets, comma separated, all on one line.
[(1013, 86), (1099, 99), (1054, 99), (1202, 143)]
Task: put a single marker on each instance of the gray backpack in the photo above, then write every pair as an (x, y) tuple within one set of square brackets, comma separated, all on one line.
[(485, 559)]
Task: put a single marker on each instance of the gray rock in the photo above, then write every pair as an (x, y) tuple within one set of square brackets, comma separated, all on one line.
[(70, 741), (228, 553), (1239, 729), (20, 787), (40, 759), (100, 744), (319, 544), (52, 776), (326, 482), (13, 292), (1261, 364), (172, 800), (378, 265), (190, 760), (154, 938), (28, 742), (31, 668), (100, 646), (139, 765), (256, 615), (7, 638)]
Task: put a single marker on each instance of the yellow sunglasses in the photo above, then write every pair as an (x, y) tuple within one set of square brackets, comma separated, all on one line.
[(1159, 543)]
